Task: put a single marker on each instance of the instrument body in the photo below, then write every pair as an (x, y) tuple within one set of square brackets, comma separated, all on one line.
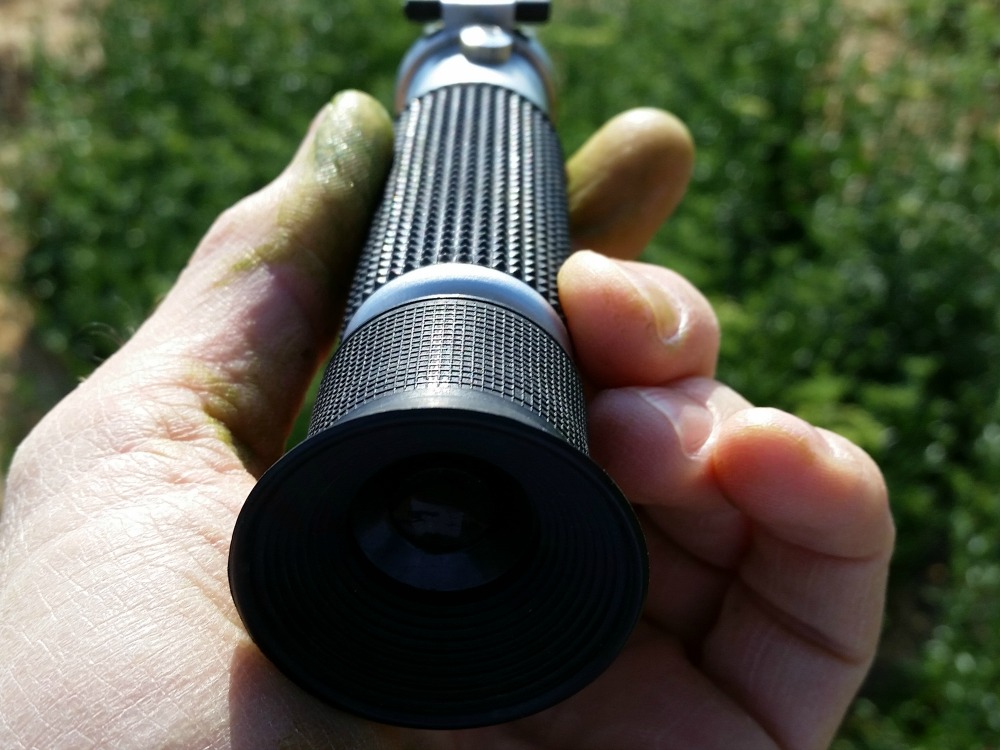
[(440, 551)]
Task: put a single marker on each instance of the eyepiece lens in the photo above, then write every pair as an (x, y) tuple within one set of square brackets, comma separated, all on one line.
[(443, 510), (443, 522)]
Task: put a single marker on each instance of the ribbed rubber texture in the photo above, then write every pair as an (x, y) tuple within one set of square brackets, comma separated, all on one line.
[(478, 178), (455, 342)]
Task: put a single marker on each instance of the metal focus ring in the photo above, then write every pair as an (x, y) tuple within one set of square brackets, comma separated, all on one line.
[(463, 280)]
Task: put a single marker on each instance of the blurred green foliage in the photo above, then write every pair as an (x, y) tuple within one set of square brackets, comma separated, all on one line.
[(189, 108), (844, 218)]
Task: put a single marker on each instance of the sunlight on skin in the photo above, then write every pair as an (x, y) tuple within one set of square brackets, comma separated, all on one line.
[(769, 540)]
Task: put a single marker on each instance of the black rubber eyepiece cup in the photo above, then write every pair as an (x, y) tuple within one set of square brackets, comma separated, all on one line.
[(438, 568)]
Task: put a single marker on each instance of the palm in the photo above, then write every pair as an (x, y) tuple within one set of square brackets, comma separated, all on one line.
[(768, 539)]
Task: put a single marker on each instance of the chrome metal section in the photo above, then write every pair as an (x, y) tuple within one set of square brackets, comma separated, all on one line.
[(463, 50), (447, 66), (462, 280), (487, 45)]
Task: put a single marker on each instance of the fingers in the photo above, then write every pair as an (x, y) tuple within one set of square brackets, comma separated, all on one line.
[(626, 180), (768, 534), (260, 301), (809, 599), (767, 461), (656, 443), (636, 324)]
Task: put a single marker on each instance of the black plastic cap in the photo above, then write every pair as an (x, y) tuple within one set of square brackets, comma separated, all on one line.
[(423, 11), (525, 11)]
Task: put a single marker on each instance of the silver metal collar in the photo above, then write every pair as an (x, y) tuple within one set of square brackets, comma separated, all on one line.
[(477, 41)]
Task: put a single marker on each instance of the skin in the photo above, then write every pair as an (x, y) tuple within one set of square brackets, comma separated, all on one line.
[(769, 538)]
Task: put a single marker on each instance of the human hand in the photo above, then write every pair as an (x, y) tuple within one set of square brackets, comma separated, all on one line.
[(769, 539)]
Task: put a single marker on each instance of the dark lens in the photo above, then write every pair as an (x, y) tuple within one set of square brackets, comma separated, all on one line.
[(441, 510), (442, 522)]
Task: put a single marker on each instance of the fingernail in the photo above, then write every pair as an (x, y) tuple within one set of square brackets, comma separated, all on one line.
[(692, 422), (662, 306)]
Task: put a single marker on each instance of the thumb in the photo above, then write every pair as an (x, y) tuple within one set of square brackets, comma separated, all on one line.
[(257, 307)]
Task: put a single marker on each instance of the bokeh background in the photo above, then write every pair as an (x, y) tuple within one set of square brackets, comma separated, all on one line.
[(844, 218)]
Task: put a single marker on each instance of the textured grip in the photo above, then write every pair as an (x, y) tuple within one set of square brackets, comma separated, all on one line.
[(461, 343), (478, 178)]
